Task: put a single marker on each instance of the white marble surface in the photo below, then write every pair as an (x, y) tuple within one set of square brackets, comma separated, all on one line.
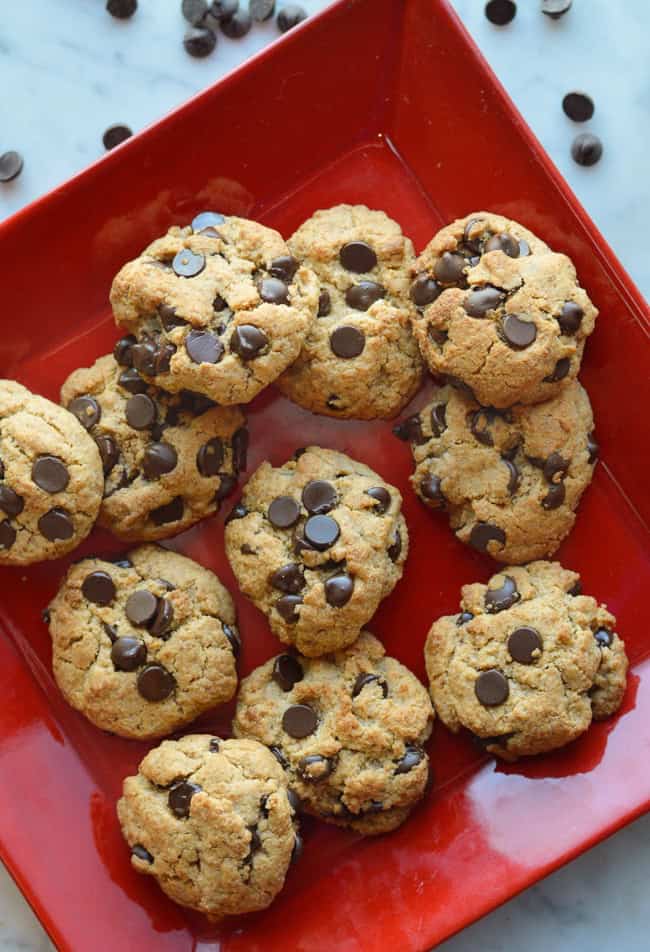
[(68, 71)]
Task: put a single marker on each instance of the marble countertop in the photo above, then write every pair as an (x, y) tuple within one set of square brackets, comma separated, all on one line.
[(69, 75)]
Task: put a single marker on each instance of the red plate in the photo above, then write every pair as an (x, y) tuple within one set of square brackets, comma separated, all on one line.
[(387, 103)]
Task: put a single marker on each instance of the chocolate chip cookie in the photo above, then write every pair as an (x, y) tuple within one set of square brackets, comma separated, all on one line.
[(360, 358), (50, 478), (316, 544), (169, 459), (498, 312), (510, 480), (348, 729), (527, 662), (143, 645), (220, 308), (213, 822)]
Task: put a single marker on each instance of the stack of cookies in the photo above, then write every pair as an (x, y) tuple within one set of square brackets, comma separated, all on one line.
[(152, 439)]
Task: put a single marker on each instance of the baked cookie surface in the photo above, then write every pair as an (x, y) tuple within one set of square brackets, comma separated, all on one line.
[(510, 480), (220, 308), (360, 358), (498, 312), (213, 822), (169, 459), (528, 661), (316, 544), (348, 729), (50, 478), (143, 645)]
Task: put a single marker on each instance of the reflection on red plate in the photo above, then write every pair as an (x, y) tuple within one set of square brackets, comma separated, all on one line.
[(277, 139)]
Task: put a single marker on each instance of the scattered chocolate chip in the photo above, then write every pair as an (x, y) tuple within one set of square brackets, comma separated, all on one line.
[(232, 635), (463, 618), (210, 457), (491, 688), (424, 290), (604, 637), (357, 256), (128, 653), (522, 644), (586, 149), (207, 220), (170, 512), (299, 721), (449, 268), (554, 497), (121, 9), (314, 768), (283, 512), (239, 444), (503, 597), (592, 448), (288, 17), (203, 348), (115, 135), (289, 579), (99, 588), (555, 8), (395, 548), (248, 341), (141, 853), (237, 512), (287, 671), (286, 608), (578, 106), (319, 497), (273, 291), (412, 757), (140, 411), (155, 683), (86, 410), (410, 430), (158, 459), (561, 370), (261, 10), (180, 796), (514, 476), (347, 341), (518, 333), (194, 10), (7, 535), (199, 41), (362, 295), (338, 590), (324, 303), (296, 852), (478, 302), (221, 10), (226, 486), (237, 25), (570, 318), (162, 619), (11, 165), (131, 381), (366, 678), (431, 490), (321, 532), (141, 606), (500, 12), (503, 242), (56, 525), (381, 497), (283, 268)]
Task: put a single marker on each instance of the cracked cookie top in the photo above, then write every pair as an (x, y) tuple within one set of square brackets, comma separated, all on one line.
[(347, 728), (213, 822), (498, 313), (527, 662), (316, 544), (143, 645), (220, 308), (50, 478)]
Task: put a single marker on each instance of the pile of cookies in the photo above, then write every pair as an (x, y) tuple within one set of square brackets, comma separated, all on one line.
[(152, 438)]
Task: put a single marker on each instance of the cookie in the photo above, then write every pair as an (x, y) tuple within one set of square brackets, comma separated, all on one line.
[(316, 544), (510, 480), (528, 661), (360, 358), (220, 308), (213, 822), (348, 730), (143, 645), (50, 478), (498, 313), (169, 459)]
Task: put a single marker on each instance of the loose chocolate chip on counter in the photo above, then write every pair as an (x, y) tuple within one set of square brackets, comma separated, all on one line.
[(314, 767), (128, 653), (50, 474), (514, 476), (141, 606), (11, 165), (237, 512), (86, 410), (578, 106), (481, 300), (324, 303), (232, 635), (449, 268), (555, 468), (424, 290), (556, 8), (560, 371), (289, 579), (237, 25), (170, 512), (410, 430), (491, 688), (287, 671), (592, 447), (503, 597), (503, 242), (517, 332), (357, 256), (554, 497), (115, 135), (198, 41), (158, 459), (283, 268), (248, 341), (338, 590), (463, 618), (140, 411), (210, 457), (395, 548), (288, 17), (366, 678), (203, 348), (500, 12), (431, 489), (412, 757), (347, 341), (121, 9), (523, 643), (207, 220), (286, 608), (570, 318), (321, 532), (56, 525), (299, 721), (155, 683), (273, 291), (186, 263), (122, 350), (319, 497), (364, 294), (604, 637), (7, 535), (586, 149), (194, 10), (381, 497), (131, 381), (283, 512), (99, 588), (141, 853), (239, 444), (261, 10), (221, 10), (180, 796), (162, 619)]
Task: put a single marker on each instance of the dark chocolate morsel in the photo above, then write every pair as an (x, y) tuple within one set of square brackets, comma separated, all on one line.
[(324, 303), (449, 268), (555, 496), (87, 410), (170, 512), (604, 637), (395, 548), (381, 497), (367, 678), (232, 635), (424, 290), (592, 448), (438, 419), (500, 12), (248, 341), (321, 532), (338, 590), (155, 683), (286, 608), (503, 597), (410, 430), (10, 502), (430, 488), (99, 588), (203, 348), (517, 332), (239, 445), (347, 341), (483, 533), (463, 618), (180, 796), (207, 220), (56, 525), (481, 300), (273, 291), (128, 653), (357, 256), (141, 606), (279, 756), (363, 295), (283, 512), (186, 263), (570, 318), (238, 511), (162, 619), (522, 644), (158, 459), (288, 579), (576, 589), (319, 497), (555, 468), (7, 535), (131, 381), (140, 411), (122, 350), (586, 149), (210, 457), (287, 671), (514, 476), (299, 721), (491, 688), (296, 852), (314, 767), (284, 268), (412, 757), (141, 853), (503, 242), (108, 451)]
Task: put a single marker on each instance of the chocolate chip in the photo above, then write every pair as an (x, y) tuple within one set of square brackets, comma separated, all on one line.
[(366, 678), (289, 579), (524, 248), (203, 348), (273, 291), (299, 721), (478, 302), (210, 457), (362, 295), (158, 459), (296, 852), (162, 619), (99, 588), (121, 9), (128, 653), (194, 10), (207, 220), (155, 683), (430, 489), (570, 318), (503, 597), (50, 474), (239, 445), (141, 606), (86, 410), (141, 853), (108, 451), (395, 548), (424, 290), (221, 10), (463, 618), (561, 370), (123, 563), (357, 256), (503, 242), (170, 512), (56, 525), (115, 135), (500, 12), (140, 411), (576, 589), (518, 333), (438, 419), (286, 608), (237, 512), (514, 476), (586, 149), (604, 637), (237, 25), (287, 671), (283, 512), (480, 422), (410, 430), (347, 341), (288, 17), (449, 268), (294, 800), (7, 535), (319, 497), (122, 350), (11, 165), (321, 532), (284, 268), (226, 486), (186, 263), (554, 497), (522, 644), (279, 756), (131, 381), (381, 497), (180, 796), (555, 8), (214, 745), (198, 41), (324, 303), (592, 448), (555, 468), (314, 768), (232, 635), (472, 243), (261, 10), (143, 357), (338, 590), (412, 757), (248, 341), (578, 106), (491, 688)]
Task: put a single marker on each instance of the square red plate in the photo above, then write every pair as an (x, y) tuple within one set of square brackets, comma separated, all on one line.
[(387, 103)]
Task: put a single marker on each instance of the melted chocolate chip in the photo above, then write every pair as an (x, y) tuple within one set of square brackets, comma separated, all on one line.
[(248, 341), (286, 608), (169, 318), (99, 588), (481, 300), (412, 757), (347, 341), (122, 350), (289, 579), (366, 678), (87, 411), (131, 381), (140, 411), (576, 589), (555, 468), (363, 295), (518, 333), (491, 688), (162, 619), (155, 683), (523, 643), (210, 457), (287, 671), (319, 497), (449, 268), (170, 512), (381, 497), (56, 525), (424, 290), (483, 533), (299, 721), (503, 597), (503, 242), (284, 268), (338, 590), (570, 318), (180, 797), (357, 256), (283, 512), (141, 606), (187, 264), (158, 459), (279, 756), (203, 348), (214, 746), (480, 422), (7, 535), (128, 653), (438, 419), (273, 291)]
